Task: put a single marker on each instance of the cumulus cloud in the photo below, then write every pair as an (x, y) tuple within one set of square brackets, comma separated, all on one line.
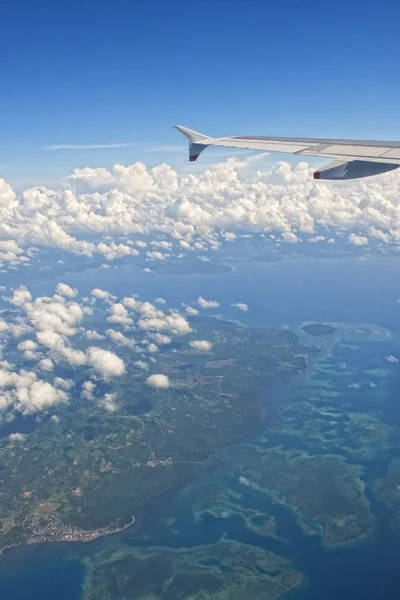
[(46, 364), (27, 394), (141, 364), (241, 306), (4, 326), (316, 239), (158, 380), (66, 290), (119, 314), (109, 402), (91, 334), (88, 388), (120, 338), (21, 296), (161, 244), (207, 303), (198, 209), (105, 362), (65, 384), (155, 320), (98, 293), (161, 339), (160, 301), (289, 237), (28, 348), (156, 255), (358, 240), (17, 437), (201, 345), (191, 311)]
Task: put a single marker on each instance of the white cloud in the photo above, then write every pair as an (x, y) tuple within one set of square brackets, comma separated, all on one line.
[(174, 324), (191, 311), (357, 240), (28, 348), (207, 303), (119, 314), (241, 306), (88, 388), (141, 364), (160, 301), (391, 358), (289, 237), (155, 255), (27, 394), (316, 239), (91, 334), (192, 208), (120, 338), (158, 381), (27, 345), (162, 244), (46, 364), (229, 235), (21, 296), (109, 402), (105, 362), (17, 437), (98, 293), (66, 290), (161, 339), (65, 384), (4, 326), (201, 345)]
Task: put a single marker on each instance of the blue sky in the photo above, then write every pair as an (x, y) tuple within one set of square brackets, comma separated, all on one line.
[(88, 73)]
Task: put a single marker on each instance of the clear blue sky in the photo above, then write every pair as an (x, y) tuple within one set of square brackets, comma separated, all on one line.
[(104, 72)]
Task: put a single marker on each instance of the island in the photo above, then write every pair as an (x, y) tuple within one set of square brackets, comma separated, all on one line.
[(318, 329), (92, 471), (325, 492), (227, 569)]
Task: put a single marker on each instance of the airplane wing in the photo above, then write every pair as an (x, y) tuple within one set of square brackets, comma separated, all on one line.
[(353, 158)]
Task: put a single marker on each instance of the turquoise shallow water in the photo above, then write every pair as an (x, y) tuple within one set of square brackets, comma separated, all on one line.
[(278, 294)]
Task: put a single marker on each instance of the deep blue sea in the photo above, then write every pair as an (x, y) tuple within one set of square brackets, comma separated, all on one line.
[(281, 294)]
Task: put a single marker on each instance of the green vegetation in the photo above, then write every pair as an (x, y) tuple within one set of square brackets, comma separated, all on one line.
[(96, 469), (224, 570), (221, 502), (323, 490)]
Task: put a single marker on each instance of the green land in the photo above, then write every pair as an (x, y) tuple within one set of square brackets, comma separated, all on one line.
[(226, 570), (323, 490), (94, 471)]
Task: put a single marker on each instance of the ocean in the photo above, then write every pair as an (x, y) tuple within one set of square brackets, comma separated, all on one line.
[(282, 294)]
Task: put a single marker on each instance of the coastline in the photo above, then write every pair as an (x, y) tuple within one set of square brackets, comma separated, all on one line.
[(87, 536)]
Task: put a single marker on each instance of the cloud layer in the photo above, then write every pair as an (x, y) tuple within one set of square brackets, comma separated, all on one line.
[(196, 210)]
